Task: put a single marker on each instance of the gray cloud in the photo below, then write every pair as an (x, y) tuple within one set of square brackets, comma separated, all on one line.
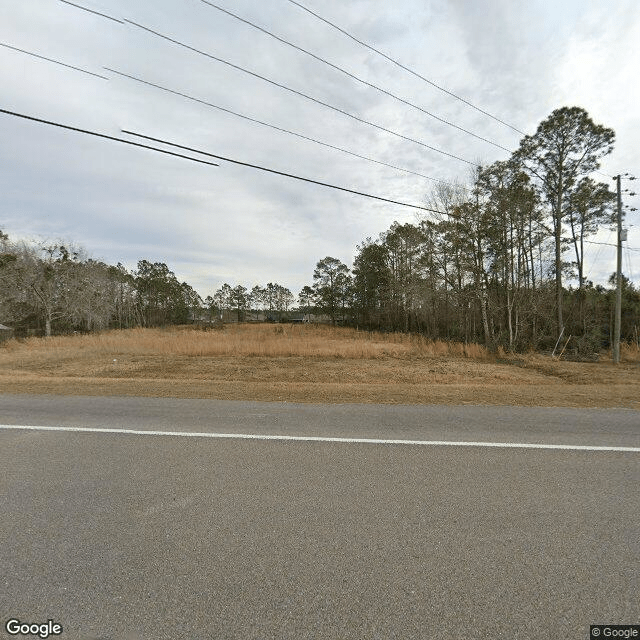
[(236, 224)]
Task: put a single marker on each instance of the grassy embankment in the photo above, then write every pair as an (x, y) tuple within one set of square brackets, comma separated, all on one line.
[(306, 363)]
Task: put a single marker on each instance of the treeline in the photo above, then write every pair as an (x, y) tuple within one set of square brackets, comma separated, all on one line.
[(271, 303), (404, 282), (55, 288), (490, 263)]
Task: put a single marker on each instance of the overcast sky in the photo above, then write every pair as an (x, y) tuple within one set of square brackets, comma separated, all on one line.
[(517, 60)]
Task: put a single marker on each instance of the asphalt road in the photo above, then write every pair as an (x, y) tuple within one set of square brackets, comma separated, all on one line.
[(117, 536)]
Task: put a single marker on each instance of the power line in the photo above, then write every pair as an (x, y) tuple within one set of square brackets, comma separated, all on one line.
[(407, 69), (102, 135), (73, 4), (271, 126), (352, 76), (295, 91), (280, 173), (104, 15), (205, 153), (62, 64), (629, 264), (226, 159), (610, 244), (299, 93), (255, 120), (364, 44), (595, 260)]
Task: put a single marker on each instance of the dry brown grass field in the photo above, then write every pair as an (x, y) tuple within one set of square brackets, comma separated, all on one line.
[(309, 363)]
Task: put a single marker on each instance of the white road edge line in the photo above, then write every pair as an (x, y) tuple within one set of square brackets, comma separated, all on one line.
[(246, 436)]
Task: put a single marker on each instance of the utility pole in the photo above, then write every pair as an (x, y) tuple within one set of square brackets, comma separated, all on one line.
[(622, 236), (617, 321)]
